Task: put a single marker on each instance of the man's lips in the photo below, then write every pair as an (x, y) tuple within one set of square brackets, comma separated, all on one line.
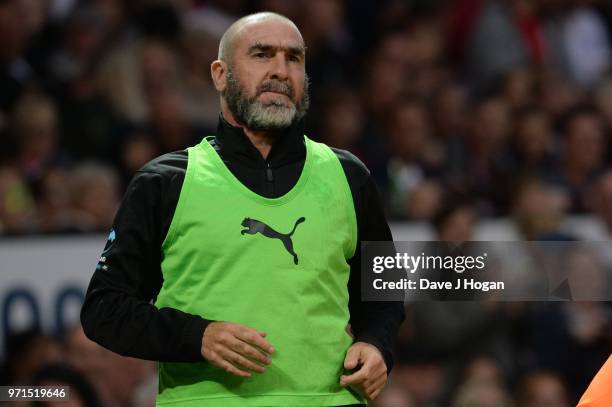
[(274, 92)]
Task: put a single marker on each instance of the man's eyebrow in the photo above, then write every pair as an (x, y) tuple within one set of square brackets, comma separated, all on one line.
[(295, 50)]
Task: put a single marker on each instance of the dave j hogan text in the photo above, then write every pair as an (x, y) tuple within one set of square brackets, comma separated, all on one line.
[(426, 284)]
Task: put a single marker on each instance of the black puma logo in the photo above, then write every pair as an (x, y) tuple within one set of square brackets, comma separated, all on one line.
[(254, 226)]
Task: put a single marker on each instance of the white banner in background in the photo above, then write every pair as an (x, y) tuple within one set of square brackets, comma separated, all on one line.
[(44, 280)]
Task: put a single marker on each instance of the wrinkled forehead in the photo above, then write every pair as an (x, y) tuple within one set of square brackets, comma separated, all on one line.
[(270, 33)]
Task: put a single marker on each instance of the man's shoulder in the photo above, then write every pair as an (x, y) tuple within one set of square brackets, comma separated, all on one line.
[(160, 178), (355, 170), (166, 165), (166, 171)]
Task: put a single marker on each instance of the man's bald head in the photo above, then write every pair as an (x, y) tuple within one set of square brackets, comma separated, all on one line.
[(261, 73), (233, 33)]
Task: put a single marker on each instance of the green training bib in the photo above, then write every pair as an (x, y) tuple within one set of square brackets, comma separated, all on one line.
[(278, 265)]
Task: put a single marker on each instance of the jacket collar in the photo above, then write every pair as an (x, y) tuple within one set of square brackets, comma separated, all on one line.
[(233, 144)]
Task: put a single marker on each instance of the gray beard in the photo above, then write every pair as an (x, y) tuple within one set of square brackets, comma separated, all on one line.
[(258, 116)]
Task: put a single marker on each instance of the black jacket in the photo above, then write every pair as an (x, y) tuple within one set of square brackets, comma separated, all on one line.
[(118, 312)]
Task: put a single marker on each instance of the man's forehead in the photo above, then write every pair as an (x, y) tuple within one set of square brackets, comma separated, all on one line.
[(273, 33)]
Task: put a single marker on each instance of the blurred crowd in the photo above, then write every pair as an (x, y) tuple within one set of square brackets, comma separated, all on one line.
[(508, 103), (96, 377), (501, 354), (462, 110)]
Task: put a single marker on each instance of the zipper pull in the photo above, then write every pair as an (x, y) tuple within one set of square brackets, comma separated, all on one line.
[(269, 175)]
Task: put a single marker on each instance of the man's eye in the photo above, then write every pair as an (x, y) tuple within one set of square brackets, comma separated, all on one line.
[(294, 58), (260, 55)]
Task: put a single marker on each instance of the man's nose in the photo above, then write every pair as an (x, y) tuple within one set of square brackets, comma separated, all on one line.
[(278, 68)]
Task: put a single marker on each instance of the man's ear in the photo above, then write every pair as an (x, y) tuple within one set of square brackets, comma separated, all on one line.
[(218, 71)]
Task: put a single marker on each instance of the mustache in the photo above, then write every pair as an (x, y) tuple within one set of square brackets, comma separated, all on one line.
[(276, 86)]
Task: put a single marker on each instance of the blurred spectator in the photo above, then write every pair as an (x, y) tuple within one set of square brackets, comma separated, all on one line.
[(518, 88), (483, 370), (513, 26), (136, 72), (115, 378), (542, 389), (90, 129), (556, 95), (481, 395), (90, 359), (201, 97), (394, 396), (482, 384), (342, 119), (17, 207), (56, 214), (36, 126), (89, 125), (455, 222), (588, 281), (27, 352), (138, 149), (15, 73), (409, 131), (95, 192), (422, 202), (425, 52), (450, 112), (384, 79), (81, 392), (321, 23), (417, 156), (383, 85), (209, 16), (84, 33), (586, 44), (422, 380), (168, 122), (130, 379), (571, 339), (477, 162), (582, 157), (539, 210), (532, 148)]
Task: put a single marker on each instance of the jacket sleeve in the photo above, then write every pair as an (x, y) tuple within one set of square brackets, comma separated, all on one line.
[(118, 312), (374, 322)]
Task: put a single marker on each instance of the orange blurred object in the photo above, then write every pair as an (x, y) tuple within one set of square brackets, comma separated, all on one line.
[(599, 392)]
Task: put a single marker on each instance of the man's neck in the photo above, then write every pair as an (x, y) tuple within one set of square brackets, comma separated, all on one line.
[(262, 140)]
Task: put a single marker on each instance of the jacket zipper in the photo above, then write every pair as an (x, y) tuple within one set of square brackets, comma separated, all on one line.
[(270, 181)]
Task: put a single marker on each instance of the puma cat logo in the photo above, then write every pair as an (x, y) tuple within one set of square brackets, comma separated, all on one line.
[(254, 226)]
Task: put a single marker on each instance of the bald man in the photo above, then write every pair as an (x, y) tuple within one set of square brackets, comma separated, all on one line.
[(235, 262)]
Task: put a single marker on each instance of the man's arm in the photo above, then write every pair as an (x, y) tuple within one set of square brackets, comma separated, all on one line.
[(376, 323), (117, 312)]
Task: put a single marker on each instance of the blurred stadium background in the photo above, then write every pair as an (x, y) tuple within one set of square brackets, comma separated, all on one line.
[(479, 119)]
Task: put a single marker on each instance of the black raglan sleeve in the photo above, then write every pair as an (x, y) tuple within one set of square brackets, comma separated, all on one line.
[(118, 312), (374, 322)]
